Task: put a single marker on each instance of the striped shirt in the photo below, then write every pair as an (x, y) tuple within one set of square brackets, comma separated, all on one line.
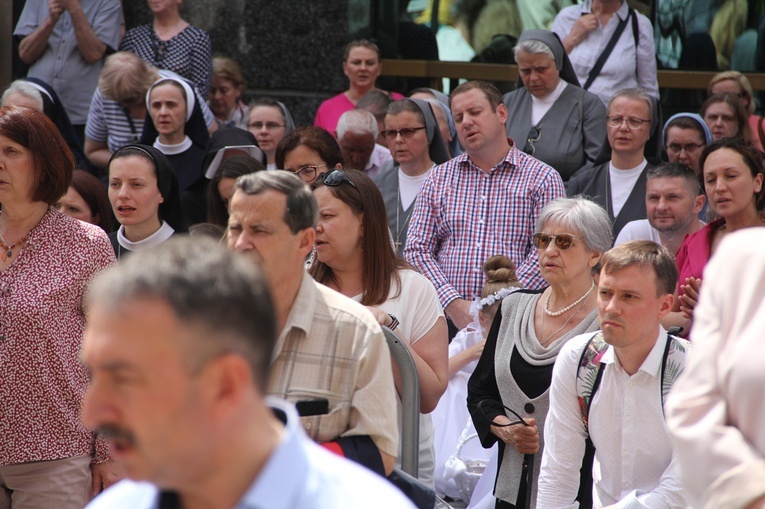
[(464, 216), (109, 123)]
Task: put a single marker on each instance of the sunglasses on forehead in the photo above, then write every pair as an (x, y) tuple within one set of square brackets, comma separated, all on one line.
[(562, 240), (335, 178)]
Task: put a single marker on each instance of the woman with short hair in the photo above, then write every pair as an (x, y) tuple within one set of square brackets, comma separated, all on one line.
[(309, 152), (226, 93), (515, 368), (726, 117), (362, 67), (47, 260)]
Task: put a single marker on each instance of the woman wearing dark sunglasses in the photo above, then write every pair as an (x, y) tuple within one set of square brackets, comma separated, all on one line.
[(354, 256), (552, 118), (309, 152), (415, 142), (516, 365)]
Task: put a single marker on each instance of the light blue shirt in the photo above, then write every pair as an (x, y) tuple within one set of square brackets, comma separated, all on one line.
[(298, 475)]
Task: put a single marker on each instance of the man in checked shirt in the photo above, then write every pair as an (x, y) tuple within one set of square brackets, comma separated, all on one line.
[(482, 203)]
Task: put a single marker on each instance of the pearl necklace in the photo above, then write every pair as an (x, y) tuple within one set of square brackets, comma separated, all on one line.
[(570, 306)]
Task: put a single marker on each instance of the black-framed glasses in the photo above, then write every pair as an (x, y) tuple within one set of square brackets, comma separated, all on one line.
[(632, 123), (676, 148), (335, 178), (562, 240), (406, 133), (535, 133), (307, 173)]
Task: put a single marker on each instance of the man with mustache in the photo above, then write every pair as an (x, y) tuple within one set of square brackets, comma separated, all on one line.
[(673, 200), (616, 395), (179, 343)]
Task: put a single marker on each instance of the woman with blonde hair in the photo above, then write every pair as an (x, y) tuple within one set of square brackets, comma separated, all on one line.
[(226, 93)]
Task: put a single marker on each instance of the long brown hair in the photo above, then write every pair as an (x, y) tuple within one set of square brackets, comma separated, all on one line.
[(380, 263)]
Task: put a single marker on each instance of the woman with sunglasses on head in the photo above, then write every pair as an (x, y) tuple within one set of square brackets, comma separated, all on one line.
[(732, 176), (354, 256), (309, 152), (554, 120), (415, 142), (144, 195), (515, 368)]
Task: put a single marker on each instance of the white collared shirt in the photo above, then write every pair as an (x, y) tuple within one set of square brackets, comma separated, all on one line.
[(380, 155), (626, 67), (634, 463)]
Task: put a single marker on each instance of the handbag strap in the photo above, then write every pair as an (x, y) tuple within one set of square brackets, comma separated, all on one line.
[(595, 71)]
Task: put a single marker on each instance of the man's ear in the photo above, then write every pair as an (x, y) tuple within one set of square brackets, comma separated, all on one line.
[(307, 238)]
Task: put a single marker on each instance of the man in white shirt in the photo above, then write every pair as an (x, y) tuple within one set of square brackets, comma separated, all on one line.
[(634, 465), (179, 343), (356, 133), (673, 200), (619, 184)]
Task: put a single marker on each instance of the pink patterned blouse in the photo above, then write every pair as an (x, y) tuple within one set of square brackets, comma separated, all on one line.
[(42, 382)]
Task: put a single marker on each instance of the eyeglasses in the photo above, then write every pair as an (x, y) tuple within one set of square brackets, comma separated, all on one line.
[(676, 148), (406, 133), (270, 126), (632, 123), (308, 173), (335, 178), (534, 135), (562, 240)]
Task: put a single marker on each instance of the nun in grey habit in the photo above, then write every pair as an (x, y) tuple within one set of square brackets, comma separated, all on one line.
[(550, 116)]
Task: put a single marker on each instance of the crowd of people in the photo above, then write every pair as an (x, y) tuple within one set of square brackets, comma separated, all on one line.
[(540, 254)]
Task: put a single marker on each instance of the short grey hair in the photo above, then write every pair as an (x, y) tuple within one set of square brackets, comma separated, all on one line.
[(302, 210), (358, 122), (26, 89), (636, 94), (219, 293), (584, 217), (533, 47)]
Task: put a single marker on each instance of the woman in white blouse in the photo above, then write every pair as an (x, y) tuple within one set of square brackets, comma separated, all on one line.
[(586, 30), (715, 411), (354, 256)]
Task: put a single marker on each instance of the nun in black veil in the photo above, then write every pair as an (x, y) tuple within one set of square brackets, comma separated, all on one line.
[(143, 192)]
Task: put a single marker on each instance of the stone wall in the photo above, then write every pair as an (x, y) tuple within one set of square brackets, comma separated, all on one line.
[(290, 49)]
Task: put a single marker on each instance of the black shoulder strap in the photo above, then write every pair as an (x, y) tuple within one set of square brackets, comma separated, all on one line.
[(595, 71)]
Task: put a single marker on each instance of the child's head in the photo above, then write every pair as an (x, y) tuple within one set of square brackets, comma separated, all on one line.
[(500, 275)]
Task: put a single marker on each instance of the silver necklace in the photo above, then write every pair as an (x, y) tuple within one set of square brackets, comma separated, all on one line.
[(561, 311)]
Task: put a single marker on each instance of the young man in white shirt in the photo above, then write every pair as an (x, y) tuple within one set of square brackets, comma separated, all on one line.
[(634, 465), (673, 201)]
